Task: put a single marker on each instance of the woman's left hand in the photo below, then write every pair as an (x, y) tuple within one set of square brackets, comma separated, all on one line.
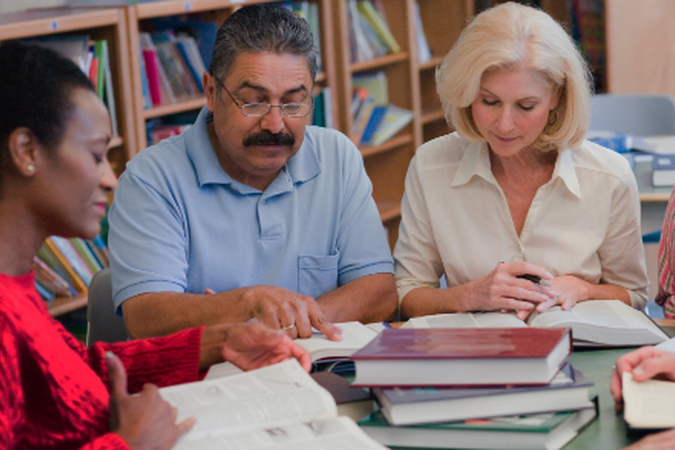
[(249, 346), (569, 289)]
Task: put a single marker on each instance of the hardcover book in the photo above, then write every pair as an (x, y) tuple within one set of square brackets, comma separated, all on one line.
[(569, 390), (540, 431), (462, 356)]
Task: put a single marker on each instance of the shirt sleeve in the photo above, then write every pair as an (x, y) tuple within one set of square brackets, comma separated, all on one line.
[(621, 253), (147, 244), (362, 242), (417, 262), (109, 441), (666, 260), (164, 361)]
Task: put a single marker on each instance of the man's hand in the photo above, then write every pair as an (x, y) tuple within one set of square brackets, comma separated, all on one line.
[(281, 309), (143, 421)]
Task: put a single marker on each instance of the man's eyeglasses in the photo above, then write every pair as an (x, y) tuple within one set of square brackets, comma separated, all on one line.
[(296, 110)]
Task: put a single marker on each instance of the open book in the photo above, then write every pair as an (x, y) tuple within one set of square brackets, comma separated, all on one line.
[(648, 404), (355, 336), (594, 323), (278, 407)]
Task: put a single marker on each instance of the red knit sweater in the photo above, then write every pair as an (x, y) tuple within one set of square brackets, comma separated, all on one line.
[(53, 390)]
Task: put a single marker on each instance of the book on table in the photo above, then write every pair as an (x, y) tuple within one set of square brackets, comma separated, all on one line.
[(278, 407), (569, 390), (607, 323), (540, 431), (462, 356), (648, 404), (355, 336)]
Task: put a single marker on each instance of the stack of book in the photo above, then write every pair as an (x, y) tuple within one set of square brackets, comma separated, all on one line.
[(64, 267), (487, 388)]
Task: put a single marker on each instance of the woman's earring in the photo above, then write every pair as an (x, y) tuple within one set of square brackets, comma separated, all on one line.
[(30, 168)]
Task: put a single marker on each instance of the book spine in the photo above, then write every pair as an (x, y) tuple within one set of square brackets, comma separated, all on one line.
[(75, 278)]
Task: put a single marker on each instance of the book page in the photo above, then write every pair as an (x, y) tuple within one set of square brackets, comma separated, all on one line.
[(222, 370), (272, 396), (648, 404), (466, 320), (330, 434), (609, 322), (355, 335)]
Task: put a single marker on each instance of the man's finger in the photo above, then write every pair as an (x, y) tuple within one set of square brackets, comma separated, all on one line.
[(329, 330)]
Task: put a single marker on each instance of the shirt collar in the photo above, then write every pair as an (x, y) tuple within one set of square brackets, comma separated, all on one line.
[(476, 162), (303, 166)]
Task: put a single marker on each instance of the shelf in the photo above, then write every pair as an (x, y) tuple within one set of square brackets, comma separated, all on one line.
[(172, 108), (433, 116), (389, 211), (396, 141), (63, 305), (40, 23), (655, 196), (432, 63), (380, 62)]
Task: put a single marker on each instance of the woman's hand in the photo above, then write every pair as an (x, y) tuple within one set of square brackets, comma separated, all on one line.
[(249, 346), (569, 291), (144, 421), (644, 363), (502, 290)]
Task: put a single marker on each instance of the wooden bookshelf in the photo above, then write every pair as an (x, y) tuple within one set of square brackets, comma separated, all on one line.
[(64, 305), (100, 23), (140, 17)]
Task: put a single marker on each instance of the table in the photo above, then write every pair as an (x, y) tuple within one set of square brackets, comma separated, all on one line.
[(608, 430)]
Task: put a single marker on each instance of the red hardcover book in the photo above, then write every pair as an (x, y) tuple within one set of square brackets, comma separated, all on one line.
[(151, 70), (462, 357)]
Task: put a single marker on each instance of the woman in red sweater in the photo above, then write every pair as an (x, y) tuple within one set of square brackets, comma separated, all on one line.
[(54, 179)]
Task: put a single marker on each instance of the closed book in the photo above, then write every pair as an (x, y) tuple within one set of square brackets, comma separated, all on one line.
[(537, 431), (569, 390), (73, 276), (393, 121), (663, 170), (648, 404), (152, 72), (462, 357), (74, 259), (381, 27), (374, 120), (361, 119)]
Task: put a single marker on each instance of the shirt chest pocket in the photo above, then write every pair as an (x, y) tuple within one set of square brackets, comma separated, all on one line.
[(317, 274)]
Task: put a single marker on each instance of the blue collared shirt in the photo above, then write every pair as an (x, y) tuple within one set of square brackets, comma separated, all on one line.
[(179, 223)]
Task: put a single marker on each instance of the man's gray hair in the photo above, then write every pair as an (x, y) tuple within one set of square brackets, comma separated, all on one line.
[(262, 28)]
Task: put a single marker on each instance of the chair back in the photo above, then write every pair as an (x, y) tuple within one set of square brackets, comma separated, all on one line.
[(103, 323), (634, 114)]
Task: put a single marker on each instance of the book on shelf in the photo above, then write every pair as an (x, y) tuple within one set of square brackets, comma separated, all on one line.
[(608, 323), (374, 120), (536, 431), (648, 404), (361, 48), (569, 390), (161, 90), (189, 50), (375, 84), (394, 120), (462, 357), (175, 67), (278, 406), (423, 50), (663, 170), (371, 14), (51, 281), (58, 255)]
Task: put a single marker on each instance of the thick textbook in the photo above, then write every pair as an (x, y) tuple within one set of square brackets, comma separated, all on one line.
[(541, 431), (462, 357), (607, 323), (569, 390), (648, 404), (276, 407)]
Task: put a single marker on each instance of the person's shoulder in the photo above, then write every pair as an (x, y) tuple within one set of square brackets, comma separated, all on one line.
[(442, 151), (165, 155), (330, 145), (595, 157)]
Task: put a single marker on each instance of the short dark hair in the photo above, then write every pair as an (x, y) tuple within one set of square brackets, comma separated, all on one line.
[(262, 28), (35, 88)]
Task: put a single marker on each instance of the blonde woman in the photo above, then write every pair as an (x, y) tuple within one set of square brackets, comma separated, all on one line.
[(516, 190)]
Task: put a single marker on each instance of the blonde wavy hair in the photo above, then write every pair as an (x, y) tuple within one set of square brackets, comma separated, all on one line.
[(508, 36)]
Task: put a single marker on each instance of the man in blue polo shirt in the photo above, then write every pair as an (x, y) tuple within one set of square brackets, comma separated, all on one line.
[(250, 214)]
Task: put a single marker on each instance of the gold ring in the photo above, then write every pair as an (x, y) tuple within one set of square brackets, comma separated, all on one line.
[(288, 327)]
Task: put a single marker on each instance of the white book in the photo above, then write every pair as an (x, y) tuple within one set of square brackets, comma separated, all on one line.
[(278, 406), (609, 323), (355, 336), (648, 404)]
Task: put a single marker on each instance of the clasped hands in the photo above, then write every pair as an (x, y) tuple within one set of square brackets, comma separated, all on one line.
[(501, 290)]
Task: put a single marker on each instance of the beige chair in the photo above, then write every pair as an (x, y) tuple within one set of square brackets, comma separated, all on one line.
[(103, 323)]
